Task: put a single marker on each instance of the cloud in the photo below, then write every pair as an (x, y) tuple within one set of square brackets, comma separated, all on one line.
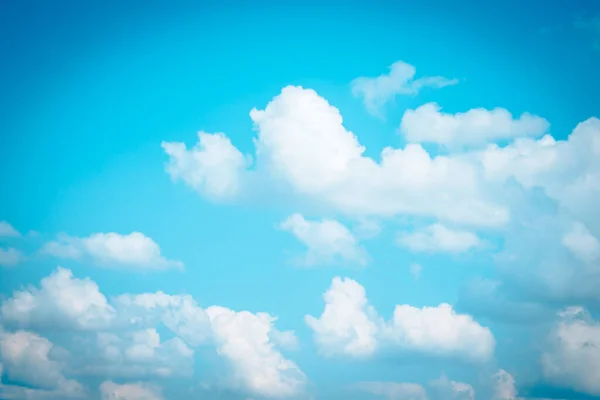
[(9, 257), (62, 301), (133, 250), (27, 359), (130, 391), (212, 167), (438, 238), (446, 389), (393, 390), (582, 244), (327, 240), (303, 147), (245, 339), (349, 325), (7, 230), (573, 356), (504, 387), (400, 80), (478, 126), (415, 270)]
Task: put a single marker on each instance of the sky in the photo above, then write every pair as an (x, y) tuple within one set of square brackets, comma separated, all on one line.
[(300, 200)]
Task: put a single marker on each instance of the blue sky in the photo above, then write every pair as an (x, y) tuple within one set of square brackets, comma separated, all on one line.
[(306, 200)]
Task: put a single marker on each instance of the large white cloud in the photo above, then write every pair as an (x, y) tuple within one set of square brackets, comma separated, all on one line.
[(573, 356), (212, 167), (112, 249), (349, 325), (246, 340), (27, 359), (377, 91), (303, 145), (427, 124), (130, 391), (62, 301), (439, 238), (327, 241)]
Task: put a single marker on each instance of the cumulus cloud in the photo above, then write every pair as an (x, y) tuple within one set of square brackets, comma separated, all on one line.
[(130, 391), (62, 301), (504, 386), (303, 145), (582, 243), (212, 167), (377, 91), (393, 390), (573, 356), (9, 257), (134, 250), (7, 230), (427, 124), (438, 238), (27, 359), (245, 339), (349, 325), (327, 241)]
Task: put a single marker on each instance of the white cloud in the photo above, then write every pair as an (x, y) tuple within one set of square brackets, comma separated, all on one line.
[(10, 257), (377, 91), (504, 387), (61, 302), (582, 243), (415, 270), (130, 391), (212, 167), (133, 250), (27, 358), (349, 325), (438, 238), (573, 357), (303, 145), (7, 230), (393, 390), (427, 124), (327, 240), (245, 340), (446, 389)]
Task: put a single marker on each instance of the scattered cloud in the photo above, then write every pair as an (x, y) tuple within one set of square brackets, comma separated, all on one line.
[(7, 230), (476, 127), (134, 250), (349, 325), (446, 389), (378, 91), (130, 391), (9, 257), (327, 241), (504, 386), (573, 356), (438, 238), (415, 270)]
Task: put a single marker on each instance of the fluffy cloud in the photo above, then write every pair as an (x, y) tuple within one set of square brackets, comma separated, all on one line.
[(393, 390), (7, 230), (245, 339), (130, 391), (573, 357), (303, 145), (212, 167), (349, 325), (62, 301), (427, 124), (438, 238), (504, 386), (133, 250), (327, 240), (10, 257), (27, 359), (582, 243), (377, 91)]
